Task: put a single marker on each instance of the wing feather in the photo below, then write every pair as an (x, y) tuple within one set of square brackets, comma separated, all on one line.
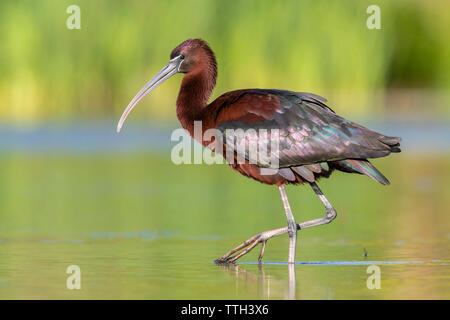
[(308, 131)]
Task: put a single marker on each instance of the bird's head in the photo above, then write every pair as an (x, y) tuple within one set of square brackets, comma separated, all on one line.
[(195, 55), (191, 57)]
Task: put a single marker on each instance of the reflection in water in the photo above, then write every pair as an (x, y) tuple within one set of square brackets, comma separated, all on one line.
[(292, 283), (262, 282), (270, 288)]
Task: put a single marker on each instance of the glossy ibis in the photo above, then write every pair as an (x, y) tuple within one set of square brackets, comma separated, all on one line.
[(313, 140)]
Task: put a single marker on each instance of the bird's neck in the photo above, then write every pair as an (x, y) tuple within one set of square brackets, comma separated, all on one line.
[(196, 88)]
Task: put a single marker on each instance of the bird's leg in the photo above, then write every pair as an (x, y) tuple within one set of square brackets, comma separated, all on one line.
[(262, 237), (292, 227), (330, 213), (251, 243)]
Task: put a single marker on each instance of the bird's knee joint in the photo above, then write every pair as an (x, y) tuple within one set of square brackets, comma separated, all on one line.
[(292, 229), (330, 215), (292, 232)]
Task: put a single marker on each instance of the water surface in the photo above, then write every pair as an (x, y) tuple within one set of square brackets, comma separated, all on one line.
[(140, 227)]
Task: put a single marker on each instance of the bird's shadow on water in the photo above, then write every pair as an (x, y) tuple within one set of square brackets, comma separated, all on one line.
[(263, 282)]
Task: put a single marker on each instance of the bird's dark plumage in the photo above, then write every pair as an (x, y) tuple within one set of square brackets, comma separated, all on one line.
[(310, 133)]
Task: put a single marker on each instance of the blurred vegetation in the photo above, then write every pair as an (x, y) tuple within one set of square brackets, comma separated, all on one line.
[(50, 72)]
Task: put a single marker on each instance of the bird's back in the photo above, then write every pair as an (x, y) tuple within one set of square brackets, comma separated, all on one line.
[(313, 139)]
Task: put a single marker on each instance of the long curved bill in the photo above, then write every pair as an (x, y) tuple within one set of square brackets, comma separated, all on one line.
[(169, 70)]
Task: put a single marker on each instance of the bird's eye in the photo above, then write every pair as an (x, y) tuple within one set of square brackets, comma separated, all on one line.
[(182, 56)]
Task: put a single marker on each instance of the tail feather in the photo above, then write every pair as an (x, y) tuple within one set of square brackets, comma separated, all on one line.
[(362, 167), (392, 142)]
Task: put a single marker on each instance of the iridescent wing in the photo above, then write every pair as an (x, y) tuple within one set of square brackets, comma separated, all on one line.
[(308, 132)]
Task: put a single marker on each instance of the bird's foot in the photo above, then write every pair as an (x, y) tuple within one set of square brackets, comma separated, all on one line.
[(249, 244)]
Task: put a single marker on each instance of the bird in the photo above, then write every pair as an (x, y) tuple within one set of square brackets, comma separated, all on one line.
[(312, 141)]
